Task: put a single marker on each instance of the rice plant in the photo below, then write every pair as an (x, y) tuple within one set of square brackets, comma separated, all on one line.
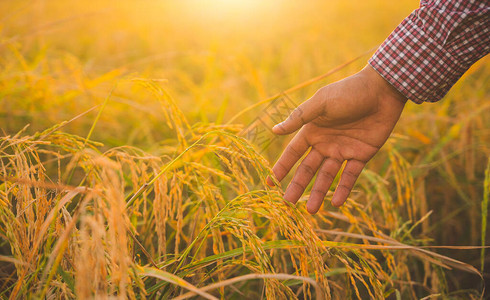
[(115, 184)]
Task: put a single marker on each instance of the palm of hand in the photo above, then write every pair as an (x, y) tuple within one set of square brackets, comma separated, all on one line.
[(351, 129)]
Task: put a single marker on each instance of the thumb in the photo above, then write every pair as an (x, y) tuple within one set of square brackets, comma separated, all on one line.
[(304, 113)]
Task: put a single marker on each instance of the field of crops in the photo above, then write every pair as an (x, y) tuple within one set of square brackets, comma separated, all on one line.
[(135, 144)]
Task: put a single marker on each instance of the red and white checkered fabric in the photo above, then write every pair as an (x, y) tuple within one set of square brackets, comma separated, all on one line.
[(433, 47)]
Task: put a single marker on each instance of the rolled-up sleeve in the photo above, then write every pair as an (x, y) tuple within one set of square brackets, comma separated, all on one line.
[(433, 47)]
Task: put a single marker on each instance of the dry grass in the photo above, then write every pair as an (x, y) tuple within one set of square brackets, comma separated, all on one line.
[(138, 195)]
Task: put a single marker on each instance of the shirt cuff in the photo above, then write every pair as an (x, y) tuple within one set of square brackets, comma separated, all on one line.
[(420, 60), (415, 64)]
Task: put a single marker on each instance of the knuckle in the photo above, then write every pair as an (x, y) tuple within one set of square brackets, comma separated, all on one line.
[(296, 115), (328, 175), (350, 174), (322, 92), (307, 169), (293, 151), (297, 184), (297, 111), (344, 187), (281, 166), (319, 192)]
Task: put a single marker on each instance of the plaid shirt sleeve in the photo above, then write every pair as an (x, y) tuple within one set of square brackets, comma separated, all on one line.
[(433, 47)]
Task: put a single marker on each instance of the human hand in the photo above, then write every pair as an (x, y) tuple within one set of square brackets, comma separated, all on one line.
[(348, 120)]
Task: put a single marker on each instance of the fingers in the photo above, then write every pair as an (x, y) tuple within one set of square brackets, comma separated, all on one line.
[(324, 179), (306, 112), (293, 152), (305, 172), (349, 176)]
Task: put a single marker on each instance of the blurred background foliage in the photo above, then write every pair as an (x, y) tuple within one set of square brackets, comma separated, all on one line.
[(59, 59)]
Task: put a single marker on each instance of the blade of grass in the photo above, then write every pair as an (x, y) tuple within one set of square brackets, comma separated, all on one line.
[(484, 214), (400, 246), (169, 277), (318, 289), (57, 253), (104, 104)]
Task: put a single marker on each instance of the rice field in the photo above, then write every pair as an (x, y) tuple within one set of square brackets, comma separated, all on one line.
[(135, 145)]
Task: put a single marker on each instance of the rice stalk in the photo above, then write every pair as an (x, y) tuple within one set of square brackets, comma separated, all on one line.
[(484, 215)]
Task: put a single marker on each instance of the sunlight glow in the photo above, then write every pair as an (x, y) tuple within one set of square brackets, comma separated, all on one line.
[(228, 7)]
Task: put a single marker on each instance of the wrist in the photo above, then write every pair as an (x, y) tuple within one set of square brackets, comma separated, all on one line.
[(381, 86)]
